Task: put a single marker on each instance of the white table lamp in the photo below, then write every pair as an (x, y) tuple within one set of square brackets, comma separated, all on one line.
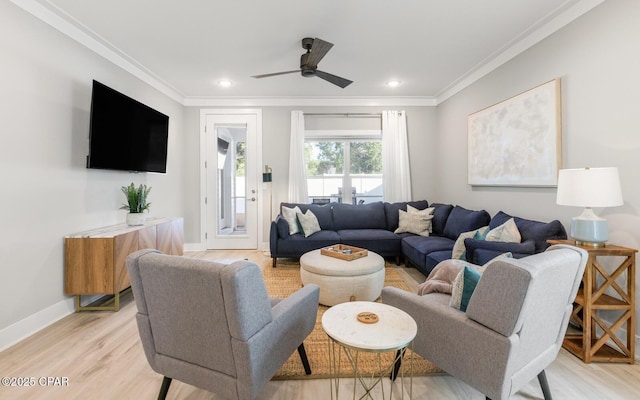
[(589, 187)]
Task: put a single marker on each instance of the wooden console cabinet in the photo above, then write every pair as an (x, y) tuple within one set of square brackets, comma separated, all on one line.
[(596, 339), (95, 259)]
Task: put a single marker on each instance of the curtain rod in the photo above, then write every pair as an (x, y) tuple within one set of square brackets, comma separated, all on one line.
[(345, 115)]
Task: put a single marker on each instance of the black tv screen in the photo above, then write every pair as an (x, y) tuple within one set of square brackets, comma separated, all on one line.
[(125, 134)]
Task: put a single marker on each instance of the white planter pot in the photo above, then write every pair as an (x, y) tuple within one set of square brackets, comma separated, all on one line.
[(134, 219)]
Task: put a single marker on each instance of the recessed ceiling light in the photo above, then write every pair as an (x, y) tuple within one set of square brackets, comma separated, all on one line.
[(224, 83), (393, 83)]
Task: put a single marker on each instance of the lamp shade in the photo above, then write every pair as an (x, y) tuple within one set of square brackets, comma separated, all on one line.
[(589, 187)]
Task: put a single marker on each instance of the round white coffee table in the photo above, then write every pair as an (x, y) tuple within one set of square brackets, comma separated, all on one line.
[(341, 280), (393, 331)]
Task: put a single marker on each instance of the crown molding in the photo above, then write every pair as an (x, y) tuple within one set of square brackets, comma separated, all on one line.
[(517, 46), (307, 101), (66, 24)]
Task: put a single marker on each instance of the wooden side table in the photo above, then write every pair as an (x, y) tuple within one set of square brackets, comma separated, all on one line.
[(591, 344)]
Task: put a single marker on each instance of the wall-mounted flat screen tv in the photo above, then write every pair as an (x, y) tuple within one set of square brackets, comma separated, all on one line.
[(125, 134)]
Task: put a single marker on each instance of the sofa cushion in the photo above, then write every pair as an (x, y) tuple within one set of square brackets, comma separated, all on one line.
[(434, 258), (322, 212), (418, 248), (430, 244), (296, 245), (440, 214), (391, 211), (462, 220), (381, 241), (537, 231), (361, 216)]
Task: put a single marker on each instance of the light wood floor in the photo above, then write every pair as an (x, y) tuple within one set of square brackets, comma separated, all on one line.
[(101, 355)]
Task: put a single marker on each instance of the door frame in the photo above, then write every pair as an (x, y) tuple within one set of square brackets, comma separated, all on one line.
[(203, 170)]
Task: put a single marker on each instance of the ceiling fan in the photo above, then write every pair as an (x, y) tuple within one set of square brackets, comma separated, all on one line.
[(316, 50)]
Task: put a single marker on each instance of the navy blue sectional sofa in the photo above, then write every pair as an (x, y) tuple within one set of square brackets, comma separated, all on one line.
[(372, 226), (368, 226)]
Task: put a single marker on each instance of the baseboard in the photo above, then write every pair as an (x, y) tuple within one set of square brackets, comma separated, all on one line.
[(28, 326), (202, 247), (194, 247)]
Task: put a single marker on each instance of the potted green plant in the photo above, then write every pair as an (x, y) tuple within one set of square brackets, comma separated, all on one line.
[(136, 203)]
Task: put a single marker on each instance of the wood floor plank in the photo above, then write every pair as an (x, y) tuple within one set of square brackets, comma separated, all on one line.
[(101, 355)]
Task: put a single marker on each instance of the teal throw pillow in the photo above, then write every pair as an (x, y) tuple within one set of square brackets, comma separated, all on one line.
[(481, 233), (463, 287)]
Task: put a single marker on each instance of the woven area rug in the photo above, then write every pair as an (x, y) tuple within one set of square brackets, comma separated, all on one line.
[(284, 280)]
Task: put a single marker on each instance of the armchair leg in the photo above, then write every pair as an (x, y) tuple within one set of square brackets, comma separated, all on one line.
[(166, 382), (542, 378), (544, 384), (304, 359)]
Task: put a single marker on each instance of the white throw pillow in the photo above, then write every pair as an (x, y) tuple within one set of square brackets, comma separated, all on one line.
[(458, 247), (426, 212), (415, 223), (507, 232), (289, 215), (308, 222)]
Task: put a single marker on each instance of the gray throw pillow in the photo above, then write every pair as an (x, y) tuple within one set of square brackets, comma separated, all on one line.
[(308, 223)]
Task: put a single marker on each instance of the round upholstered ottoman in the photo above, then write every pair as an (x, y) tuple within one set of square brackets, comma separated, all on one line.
[(341, 281)]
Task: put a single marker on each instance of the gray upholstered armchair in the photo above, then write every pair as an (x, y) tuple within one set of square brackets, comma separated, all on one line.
[(513, 326), (212, 325)]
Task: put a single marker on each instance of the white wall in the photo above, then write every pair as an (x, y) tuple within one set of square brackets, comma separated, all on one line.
[(47, 193), (598, 60)]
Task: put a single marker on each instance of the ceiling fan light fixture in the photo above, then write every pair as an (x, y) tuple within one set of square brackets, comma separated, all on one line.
[(316, 49)]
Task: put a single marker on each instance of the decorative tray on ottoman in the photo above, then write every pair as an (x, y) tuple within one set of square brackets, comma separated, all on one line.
[(344, 252)]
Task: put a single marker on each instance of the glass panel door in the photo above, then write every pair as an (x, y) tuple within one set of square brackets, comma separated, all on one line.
[(231, 182)]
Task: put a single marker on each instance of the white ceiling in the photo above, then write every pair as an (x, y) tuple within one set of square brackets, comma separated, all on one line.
[(434, 47)]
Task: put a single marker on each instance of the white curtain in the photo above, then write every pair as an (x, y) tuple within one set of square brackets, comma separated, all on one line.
[(298, 192), (395, 157)]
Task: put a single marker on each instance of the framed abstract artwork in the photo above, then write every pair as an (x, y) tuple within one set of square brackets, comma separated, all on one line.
[(517, 142)]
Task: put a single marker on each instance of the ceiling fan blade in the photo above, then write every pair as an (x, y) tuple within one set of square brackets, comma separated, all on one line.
[(336, 80), (318, 50), (275, 74)]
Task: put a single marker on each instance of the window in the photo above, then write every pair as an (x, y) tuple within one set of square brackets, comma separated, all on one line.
[(337, 160)]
